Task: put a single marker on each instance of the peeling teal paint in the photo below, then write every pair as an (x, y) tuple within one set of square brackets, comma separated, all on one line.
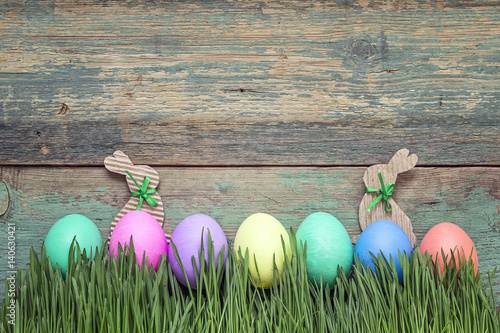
[(34, 215), (314, 177), (102, 189), (321, 180), (178, 209), (223, 187), (472, 199)]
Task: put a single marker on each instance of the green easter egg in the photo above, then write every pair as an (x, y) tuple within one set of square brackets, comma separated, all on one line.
[(58, 240), (328, 247)]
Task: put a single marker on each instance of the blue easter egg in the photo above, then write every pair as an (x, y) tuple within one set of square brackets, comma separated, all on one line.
[(383, 237)]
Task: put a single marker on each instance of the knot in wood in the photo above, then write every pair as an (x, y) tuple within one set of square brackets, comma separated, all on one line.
[(361, 49)]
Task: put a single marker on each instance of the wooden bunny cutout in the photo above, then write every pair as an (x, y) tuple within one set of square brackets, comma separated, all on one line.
[(374, 206), (121, 164)]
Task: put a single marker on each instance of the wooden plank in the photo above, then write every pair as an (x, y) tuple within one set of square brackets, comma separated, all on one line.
[(468, 197), (246, 83)]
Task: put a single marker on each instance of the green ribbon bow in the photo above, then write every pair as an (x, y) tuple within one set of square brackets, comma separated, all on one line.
[(385, 193), (144, 193)]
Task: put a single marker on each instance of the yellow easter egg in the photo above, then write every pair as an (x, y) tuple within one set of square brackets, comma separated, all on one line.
[(261, 235)]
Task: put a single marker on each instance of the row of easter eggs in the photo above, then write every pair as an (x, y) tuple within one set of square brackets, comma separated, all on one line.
[(262, 236)]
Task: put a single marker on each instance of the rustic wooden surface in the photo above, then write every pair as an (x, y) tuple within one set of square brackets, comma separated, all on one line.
[(253, 83), (245, 106), (468, 197)]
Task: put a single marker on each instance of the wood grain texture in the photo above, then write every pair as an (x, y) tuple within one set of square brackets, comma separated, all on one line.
[(249, 83), (468, 197)]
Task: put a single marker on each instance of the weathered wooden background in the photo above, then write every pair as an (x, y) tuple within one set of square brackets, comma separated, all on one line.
[(245, 106)]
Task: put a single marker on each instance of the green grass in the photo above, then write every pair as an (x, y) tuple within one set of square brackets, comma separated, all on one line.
[(115, 295)]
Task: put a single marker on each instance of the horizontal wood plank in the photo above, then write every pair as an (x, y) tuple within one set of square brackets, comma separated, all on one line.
[(468, 197), (249, 83)]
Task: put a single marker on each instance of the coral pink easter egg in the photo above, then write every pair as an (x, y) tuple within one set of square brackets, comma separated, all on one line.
[(147, 235), (448, 237)]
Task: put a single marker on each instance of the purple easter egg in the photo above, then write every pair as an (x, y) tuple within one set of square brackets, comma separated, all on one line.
[(147, 235), (187, 239)]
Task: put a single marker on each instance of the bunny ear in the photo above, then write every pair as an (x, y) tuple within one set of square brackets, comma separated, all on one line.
[(118, 163), (401, 162)]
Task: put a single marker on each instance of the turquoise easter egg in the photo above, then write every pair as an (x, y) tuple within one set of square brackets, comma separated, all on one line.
[(58, 240), (328, 247)]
